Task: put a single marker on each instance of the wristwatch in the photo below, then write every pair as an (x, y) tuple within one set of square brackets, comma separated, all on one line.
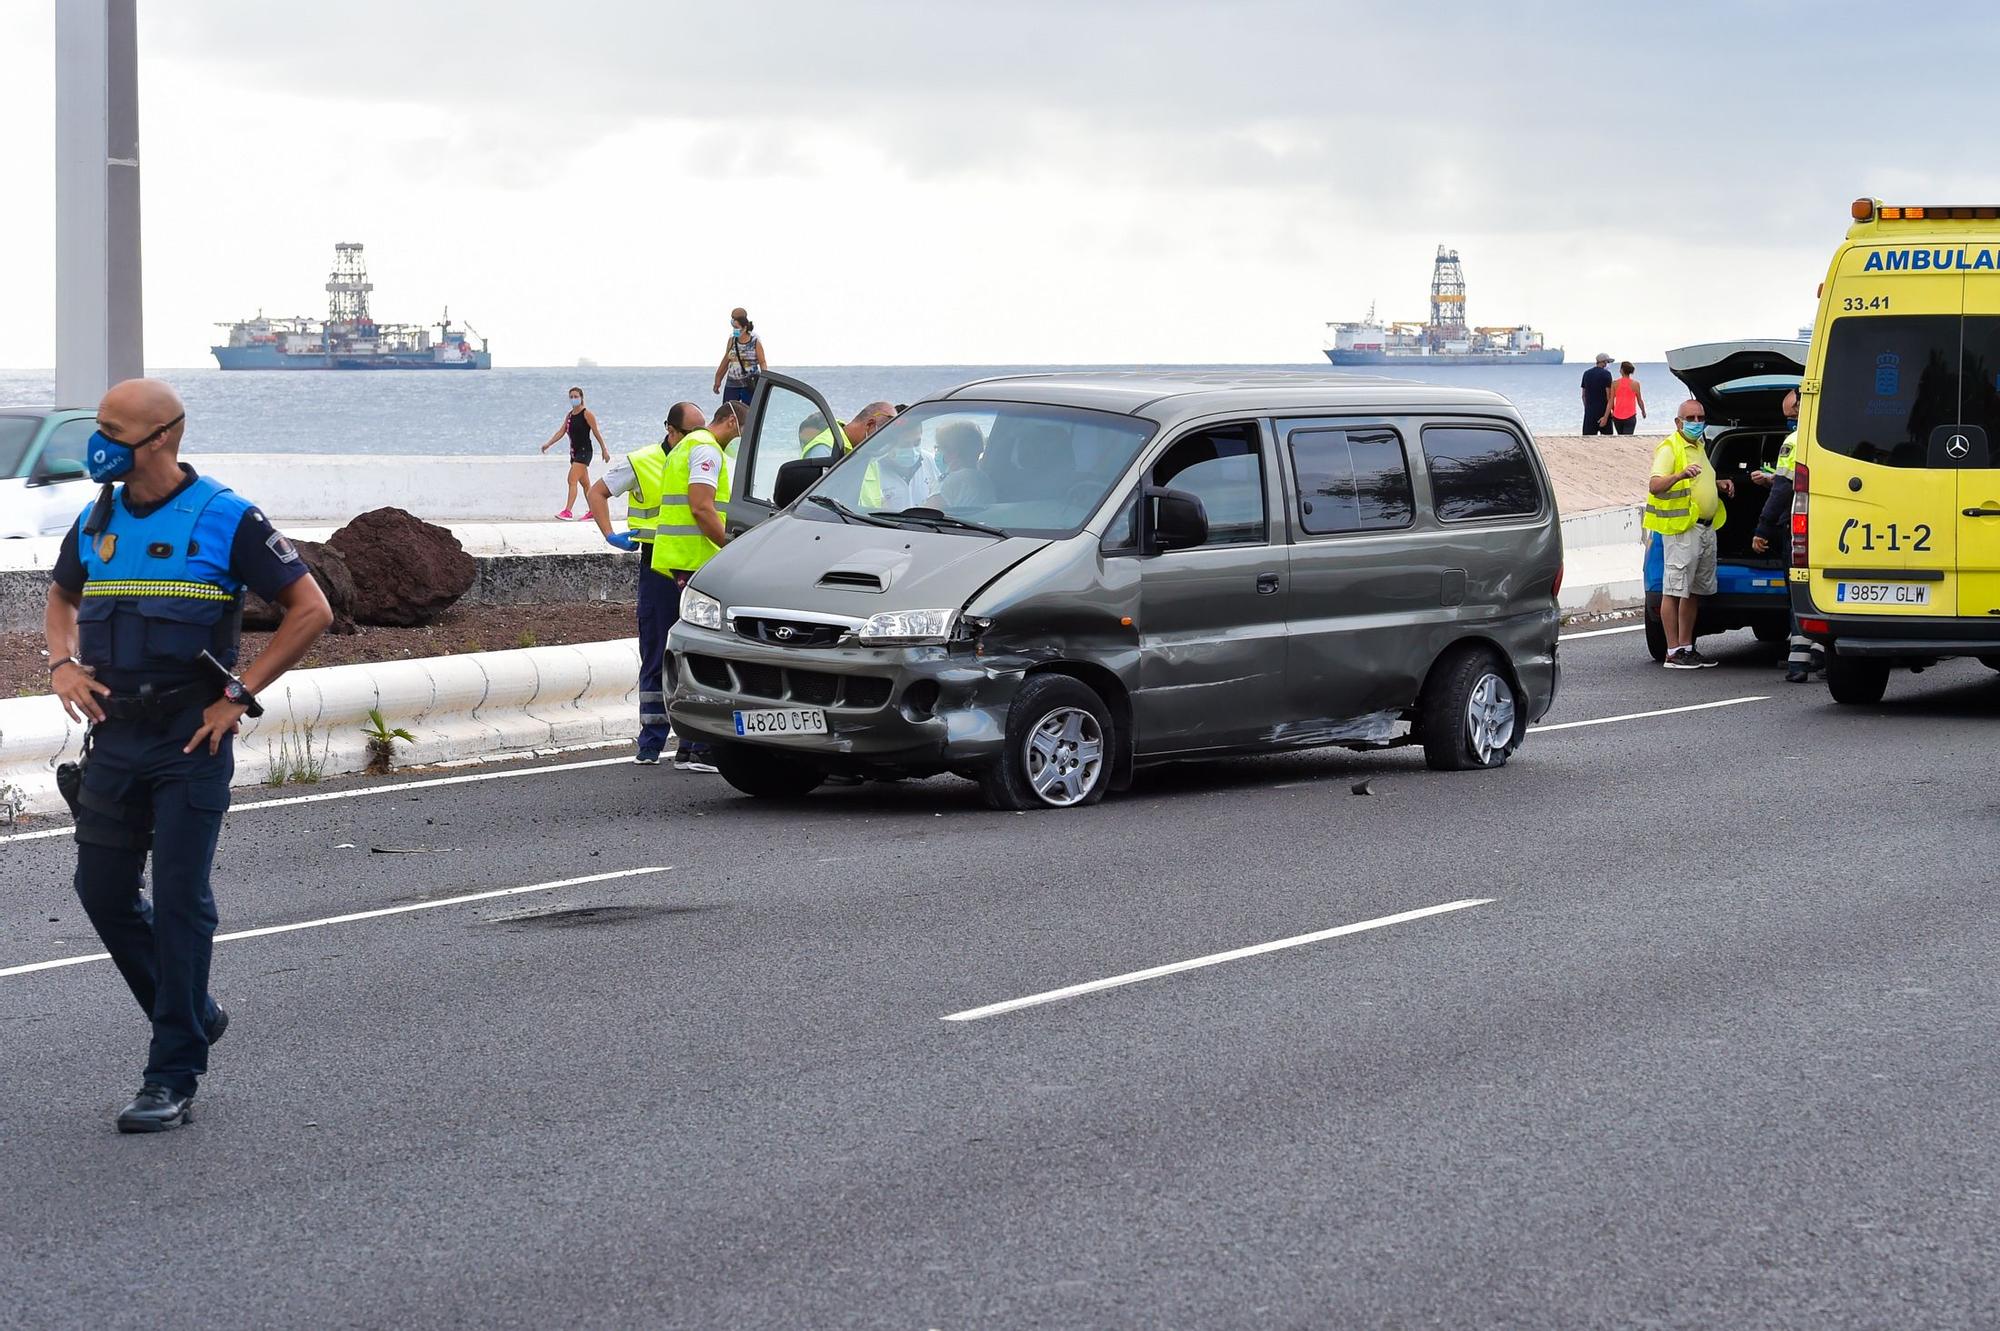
[(234, 692)]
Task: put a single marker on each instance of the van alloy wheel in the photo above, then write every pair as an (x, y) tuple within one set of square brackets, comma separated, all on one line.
[(1063, 755), (1489, 717)]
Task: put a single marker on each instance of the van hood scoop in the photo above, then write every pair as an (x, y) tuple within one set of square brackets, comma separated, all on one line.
[(802, 564)]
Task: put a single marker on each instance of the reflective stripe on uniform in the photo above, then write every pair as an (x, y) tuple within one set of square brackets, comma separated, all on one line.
[(185, 591)]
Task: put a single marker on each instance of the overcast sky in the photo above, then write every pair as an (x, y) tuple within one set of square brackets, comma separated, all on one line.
[(1010, 181)]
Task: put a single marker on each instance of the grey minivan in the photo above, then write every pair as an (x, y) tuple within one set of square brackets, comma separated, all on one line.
[(1041, 582)]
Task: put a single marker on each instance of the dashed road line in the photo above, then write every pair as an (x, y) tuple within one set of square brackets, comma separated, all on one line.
[(1213, 959), (1602, 633), (1642, 716)]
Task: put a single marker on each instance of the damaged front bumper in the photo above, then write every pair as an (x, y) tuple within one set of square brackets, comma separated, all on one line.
[(908, 710)]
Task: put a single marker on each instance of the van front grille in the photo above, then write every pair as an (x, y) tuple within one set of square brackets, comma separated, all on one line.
[(812, 688)]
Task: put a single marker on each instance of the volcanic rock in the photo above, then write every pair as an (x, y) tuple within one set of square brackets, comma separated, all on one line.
[(330, 571), (406, 571)]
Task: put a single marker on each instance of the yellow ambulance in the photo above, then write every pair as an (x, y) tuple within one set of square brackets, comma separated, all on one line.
[(1895, 558)]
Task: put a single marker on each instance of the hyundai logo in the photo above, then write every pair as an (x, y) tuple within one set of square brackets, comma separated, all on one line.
[(1958, 446), (784, 632)]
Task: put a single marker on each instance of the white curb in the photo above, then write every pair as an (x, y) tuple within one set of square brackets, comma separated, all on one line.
[(479, 705)]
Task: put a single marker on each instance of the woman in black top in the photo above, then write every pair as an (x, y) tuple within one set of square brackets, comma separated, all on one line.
[(580, 424)]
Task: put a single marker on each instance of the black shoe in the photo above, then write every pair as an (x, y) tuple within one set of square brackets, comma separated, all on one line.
[(648, 757), (1701, 662), (155, 1109), (219, 1025)]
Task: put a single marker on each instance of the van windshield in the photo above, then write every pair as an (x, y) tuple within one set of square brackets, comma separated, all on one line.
[(1890, 381), (1013, 468)]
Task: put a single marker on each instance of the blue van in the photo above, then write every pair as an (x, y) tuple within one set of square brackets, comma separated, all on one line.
[(1741, 387)]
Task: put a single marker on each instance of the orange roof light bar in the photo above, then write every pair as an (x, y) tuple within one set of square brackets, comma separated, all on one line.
[(1865, 210)]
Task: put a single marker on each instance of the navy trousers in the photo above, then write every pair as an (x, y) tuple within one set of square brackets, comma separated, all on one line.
[(141, 793), (659, 611)]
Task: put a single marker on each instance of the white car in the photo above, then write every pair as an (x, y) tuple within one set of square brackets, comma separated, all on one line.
[(43, 482)]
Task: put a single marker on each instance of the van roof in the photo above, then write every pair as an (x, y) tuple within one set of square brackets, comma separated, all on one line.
[(1171, 395)]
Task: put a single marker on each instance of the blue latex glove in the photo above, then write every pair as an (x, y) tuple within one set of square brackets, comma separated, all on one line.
[(623, 540)]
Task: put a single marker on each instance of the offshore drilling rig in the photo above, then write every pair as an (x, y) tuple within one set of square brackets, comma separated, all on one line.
[(1445, 339)]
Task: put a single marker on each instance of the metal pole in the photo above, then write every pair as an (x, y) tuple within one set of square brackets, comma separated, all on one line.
[(99, 313)]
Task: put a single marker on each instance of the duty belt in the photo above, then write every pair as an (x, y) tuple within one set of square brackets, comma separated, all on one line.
[(150, 704)]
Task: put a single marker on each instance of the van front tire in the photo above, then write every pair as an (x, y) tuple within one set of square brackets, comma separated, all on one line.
[(1856, 680), (1470, 716), (766, 774), (1059, 750)]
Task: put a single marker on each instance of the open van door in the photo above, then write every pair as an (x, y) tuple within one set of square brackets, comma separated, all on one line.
[(788, 419)]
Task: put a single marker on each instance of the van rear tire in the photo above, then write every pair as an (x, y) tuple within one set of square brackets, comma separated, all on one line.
[(1656, 632), (766, 774), (1470, 716), (1060, 749), (1773, 628), (1856, 681)]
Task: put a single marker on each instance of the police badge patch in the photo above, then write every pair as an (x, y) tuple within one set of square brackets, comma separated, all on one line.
[(282, 548), (107, 546)]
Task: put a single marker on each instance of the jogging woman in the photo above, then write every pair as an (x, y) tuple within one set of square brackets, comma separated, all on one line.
[(1628, 400), (742, 359), (580, 424)]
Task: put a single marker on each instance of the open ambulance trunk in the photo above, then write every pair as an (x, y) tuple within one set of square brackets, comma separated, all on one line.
[(1741, 387)]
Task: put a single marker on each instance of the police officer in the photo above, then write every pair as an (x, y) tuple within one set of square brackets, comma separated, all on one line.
[(144, 611), (694, 513), (641, 476)]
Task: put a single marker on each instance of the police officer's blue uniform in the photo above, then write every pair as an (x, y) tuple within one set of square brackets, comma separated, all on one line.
[(158, 587)]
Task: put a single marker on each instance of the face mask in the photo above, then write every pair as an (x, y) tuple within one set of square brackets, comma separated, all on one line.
[(108, 459), (1692, 429), (576, 402), (905, 458), (1791, 422), (735, 332)]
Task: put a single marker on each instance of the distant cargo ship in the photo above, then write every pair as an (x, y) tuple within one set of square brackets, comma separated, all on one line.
[(349, 338), (1445, 340)]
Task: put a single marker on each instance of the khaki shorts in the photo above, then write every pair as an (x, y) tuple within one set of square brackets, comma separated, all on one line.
[(1690, 558)]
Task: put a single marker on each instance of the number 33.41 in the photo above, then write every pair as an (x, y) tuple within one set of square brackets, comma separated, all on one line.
[(1864, 302), (1858, 535)]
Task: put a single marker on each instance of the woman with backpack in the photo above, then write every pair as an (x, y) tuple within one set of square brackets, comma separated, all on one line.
[(742, 359)]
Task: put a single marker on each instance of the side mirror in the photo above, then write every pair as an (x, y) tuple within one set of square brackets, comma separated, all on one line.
[(56, 470), (1177, 521), (797, 477)]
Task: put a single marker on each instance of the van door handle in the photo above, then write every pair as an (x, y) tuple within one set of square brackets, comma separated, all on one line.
[(1981, 512), (1267, 583)]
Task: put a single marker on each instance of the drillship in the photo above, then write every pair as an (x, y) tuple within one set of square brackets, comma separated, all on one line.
[(1445, 340), (349, 338)]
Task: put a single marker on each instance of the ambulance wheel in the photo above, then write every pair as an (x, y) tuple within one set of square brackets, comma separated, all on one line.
[(1656, 632), (1059, 751), (1469, 716), (1856, 680), (765, 773), (1775, 628)]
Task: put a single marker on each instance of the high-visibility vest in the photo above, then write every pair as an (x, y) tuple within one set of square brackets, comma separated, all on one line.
[(1672, 510), (1788, 455), (642, 506), (677, 542), (822, 445)]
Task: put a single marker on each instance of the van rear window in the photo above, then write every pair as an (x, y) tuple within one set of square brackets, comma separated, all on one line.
[(1479, 472), (1890, 381)]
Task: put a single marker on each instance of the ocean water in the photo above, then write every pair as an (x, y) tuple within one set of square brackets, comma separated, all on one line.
[(514, 410)]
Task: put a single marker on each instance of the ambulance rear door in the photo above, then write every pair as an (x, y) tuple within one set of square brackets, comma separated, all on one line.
[(1979, 472), (1884, 477)]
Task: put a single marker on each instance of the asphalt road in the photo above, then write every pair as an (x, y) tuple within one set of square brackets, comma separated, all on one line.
[(1719, 1049)]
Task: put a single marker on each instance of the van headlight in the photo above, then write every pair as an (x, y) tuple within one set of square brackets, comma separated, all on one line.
[(909, 627), (704, 612)]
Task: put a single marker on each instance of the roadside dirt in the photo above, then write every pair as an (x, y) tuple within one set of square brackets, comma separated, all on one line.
[(1601, 471), (24, 669)]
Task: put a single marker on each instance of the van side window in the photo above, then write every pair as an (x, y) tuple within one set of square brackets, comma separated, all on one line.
[(1223, 466), (1479, 471), (1351, 480)]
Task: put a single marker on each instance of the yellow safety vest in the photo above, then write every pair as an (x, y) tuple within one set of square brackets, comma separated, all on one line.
[(1672, 511), (1788, 455), (677, 542), (649, 475), (824, 440)]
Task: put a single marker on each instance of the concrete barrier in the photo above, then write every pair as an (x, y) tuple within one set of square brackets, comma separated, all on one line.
[(478, 705)]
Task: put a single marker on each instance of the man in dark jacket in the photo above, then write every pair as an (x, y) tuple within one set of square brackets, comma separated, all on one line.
[(1774, 525)]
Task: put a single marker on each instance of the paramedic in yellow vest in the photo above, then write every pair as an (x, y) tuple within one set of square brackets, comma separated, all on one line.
[(640, 476), (694, 512), (1803, 658), (1684, 508)]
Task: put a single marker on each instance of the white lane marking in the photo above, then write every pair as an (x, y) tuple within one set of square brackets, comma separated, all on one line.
[(352, 916), (1641, 716), (1213, 959), (388, 789), (1602, 633)]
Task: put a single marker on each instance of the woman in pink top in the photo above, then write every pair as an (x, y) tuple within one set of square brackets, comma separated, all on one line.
[(1628, 400)]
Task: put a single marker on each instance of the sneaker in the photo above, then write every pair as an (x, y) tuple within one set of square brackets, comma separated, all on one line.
[(566, 516), (1681, 658), (1702, 662), (1797, 677), (647, 757), (685, 761)]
